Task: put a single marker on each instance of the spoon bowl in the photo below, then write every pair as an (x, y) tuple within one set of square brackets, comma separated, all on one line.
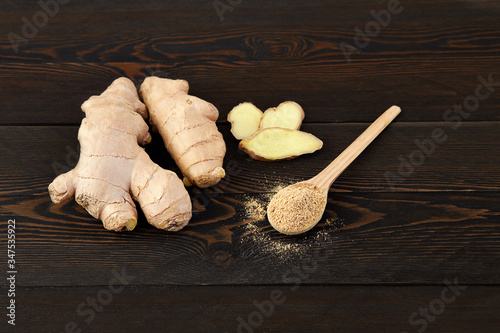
[(299, 207)]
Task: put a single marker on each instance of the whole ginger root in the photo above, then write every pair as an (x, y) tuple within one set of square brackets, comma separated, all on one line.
[(113, 170), (187, 126)]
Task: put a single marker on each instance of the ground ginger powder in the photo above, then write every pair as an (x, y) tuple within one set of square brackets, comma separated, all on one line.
[(296, 209)]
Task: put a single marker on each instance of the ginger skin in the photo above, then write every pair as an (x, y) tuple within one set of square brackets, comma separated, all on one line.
[(113, 170), (187, 126)]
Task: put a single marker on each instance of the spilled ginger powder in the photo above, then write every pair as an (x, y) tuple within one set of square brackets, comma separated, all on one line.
[(257, 233), (296, 209)]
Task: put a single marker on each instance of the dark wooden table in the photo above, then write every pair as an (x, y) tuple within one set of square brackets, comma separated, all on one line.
[(410, 241)]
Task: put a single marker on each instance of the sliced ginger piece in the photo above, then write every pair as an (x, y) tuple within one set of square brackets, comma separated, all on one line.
[(273, 143), (245, 120), (287, 115)]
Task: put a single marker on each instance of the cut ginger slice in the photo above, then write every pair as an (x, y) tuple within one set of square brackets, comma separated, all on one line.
[(286, 115), (245, 120), (273, 143)]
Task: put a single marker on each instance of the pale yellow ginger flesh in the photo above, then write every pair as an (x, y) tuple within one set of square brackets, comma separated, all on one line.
[(187, 125), (286, 115), (273, 143), (245, 120), (113, 170)]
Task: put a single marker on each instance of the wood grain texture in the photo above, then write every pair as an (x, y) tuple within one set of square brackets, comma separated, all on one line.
[(216, 309), (392, 233), (424, 26), (370, 238), (254, 55), (53, 93), (466, 161)]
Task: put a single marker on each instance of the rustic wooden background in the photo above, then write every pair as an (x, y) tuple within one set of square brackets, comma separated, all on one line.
[(382, 256)]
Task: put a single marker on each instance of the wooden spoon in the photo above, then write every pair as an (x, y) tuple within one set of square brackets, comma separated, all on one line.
[(299, 207)]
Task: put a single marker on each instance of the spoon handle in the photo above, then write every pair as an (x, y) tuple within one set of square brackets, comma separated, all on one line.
[(326, 177)]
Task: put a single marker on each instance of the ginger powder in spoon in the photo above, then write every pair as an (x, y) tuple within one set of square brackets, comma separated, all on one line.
[(296, 208)]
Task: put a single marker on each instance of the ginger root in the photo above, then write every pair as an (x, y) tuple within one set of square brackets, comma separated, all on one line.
[(245, 120), (286, 115), (113, 170), (187, 126), (273, 144)]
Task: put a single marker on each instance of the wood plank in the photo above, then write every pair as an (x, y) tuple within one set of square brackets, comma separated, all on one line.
[(217, 309), (467, 25), (363, 238), (250, 43), (385, 248), (246, 56), (32, 156), (329, 92)]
